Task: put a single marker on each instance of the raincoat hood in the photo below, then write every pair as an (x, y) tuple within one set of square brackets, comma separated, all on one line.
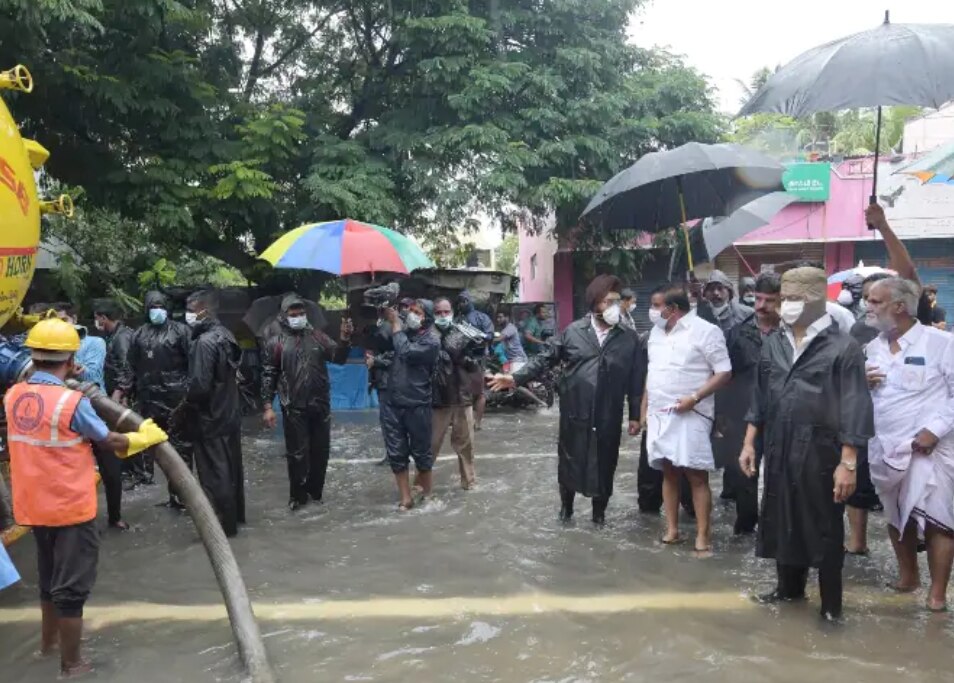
[(428, 307), (720, 278), (290, 301), (154, 298)]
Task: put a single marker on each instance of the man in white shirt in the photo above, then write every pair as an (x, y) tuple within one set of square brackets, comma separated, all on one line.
[(911, 373), (688, 362)]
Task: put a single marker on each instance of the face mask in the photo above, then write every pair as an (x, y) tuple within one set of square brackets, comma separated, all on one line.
[(157, 316), (191, 318), (413, 321), (99, 325), (631, 308), (791, 311), (845, 298), (611, 315), (655, 317), (862, 305), (749, 300), (298, 322), (443, 322), (719, 310)]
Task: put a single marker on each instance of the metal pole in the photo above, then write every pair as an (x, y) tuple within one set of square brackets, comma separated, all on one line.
[(685, 229), (874, 181)]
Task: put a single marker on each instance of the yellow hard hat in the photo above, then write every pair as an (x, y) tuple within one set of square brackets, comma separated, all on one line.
[(53, 339)]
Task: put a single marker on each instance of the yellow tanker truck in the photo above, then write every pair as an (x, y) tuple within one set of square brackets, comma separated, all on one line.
[(20, 211)]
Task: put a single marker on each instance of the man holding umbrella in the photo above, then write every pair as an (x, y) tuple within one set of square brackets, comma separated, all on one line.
[(294, 365), (602, 368)]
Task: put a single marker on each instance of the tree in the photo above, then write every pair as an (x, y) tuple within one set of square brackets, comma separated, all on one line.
[(215, 125), (507, 254)]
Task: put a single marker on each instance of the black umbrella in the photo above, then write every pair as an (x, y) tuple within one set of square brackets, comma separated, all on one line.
[(265, 311), (893, 64), (665, 189), (712, 236)]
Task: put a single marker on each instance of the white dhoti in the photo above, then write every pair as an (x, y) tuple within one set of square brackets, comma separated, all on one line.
[(683, 440), (914, 486)]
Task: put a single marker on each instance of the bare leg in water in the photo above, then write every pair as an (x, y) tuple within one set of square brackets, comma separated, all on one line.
[(858, 523), (940, 552), (670, 490), (906, 550), (404, 489), (702, 502)]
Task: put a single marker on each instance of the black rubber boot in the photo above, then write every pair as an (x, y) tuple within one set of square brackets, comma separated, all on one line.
[(566, 504), (599, 511)]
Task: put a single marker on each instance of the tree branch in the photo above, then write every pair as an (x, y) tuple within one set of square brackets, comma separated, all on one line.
[(255, 65)]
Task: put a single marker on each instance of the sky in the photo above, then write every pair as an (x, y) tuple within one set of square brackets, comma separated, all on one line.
[(730, 39)]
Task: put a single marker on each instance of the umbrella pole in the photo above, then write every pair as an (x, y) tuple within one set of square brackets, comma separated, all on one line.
[(685, 229), (874, 181)]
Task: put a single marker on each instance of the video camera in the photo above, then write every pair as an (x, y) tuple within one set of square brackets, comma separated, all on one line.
[(384, 296)]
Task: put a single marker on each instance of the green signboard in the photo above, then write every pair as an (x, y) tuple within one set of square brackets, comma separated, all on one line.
[(809, 182)]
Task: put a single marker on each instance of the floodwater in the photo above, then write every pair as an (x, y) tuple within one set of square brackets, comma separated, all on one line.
[(483, 585)]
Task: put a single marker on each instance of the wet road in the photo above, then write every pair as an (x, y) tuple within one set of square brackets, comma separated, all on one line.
[(473, 586)]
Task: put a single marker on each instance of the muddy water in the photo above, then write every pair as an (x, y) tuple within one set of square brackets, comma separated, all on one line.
[(476, 586)]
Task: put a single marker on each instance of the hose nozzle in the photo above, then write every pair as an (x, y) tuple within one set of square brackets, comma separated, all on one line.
[(17, 78), (62, 205)]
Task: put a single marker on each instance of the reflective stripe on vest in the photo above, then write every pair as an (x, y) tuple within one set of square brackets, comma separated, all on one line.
[(53, 472), (54, 440)]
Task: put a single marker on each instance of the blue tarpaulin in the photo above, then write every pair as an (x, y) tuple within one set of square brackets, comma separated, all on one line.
[(8, 573)]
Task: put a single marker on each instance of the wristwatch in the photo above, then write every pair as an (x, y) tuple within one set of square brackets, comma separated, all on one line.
[(695, 397), (850, 466)]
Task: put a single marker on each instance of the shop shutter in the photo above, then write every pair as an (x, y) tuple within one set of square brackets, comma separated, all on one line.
[(934, 260)]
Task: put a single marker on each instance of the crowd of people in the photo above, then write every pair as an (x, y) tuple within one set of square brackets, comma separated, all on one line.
[(835, 405)]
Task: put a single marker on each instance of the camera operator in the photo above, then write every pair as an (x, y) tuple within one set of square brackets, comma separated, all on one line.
[(406, 415), (453, 391)]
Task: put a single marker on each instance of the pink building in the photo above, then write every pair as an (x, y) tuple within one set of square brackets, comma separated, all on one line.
[(832, 231)]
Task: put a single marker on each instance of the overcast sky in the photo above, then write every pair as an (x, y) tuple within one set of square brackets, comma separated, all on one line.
[(729, 39)]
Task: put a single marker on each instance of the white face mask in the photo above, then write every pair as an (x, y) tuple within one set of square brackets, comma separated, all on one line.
[(631, 308), (749, 300), (719, 310), (791, 311), (655, 317), (99, 325), (611, 315), (845, 298), (413, 321), (297, 322), (191, 318)]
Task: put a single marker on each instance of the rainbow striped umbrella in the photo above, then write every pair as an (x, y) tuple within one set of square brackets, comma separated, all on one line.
[(346, 247)]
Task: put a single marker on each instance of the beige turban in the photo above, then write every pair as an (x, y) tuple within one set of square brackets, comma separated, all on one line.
[(809, 283)]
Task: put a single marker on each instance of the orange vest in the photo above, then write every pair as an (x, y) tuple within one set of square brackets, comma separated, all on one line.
[(52, 469)]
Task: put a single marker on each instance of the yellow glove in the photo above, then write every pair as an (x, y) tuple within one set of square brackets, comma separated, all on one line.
[(146, 436)]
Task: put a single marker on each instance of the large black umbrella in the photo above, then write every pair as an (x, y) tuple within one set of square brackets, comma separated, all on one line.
[(716, 234), (665, 189), (893, 64)]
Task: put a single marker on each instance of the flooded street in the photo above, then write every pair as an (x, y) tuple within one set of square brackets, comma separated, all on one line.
[(483, 585)]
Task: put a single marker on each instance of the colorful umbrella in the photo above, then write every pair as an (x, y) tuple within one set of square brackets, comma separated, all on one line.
[(345, 247), (936, 168)]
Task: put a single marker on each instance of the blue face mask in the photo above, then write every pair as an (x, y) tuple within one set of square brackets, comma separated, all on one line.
[(157, 316), (443, 322)]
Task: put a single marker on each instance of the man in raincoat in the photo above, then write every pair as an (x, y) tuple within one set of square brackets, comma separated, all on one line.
[(212, 408), (469, 312), (812, 407), (294, 365), (157, 367), (602, 368), (720, 294), (407, 415)]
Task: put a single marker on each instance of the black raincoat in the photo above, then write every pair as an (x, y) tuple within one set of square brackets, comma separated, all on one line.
[(294, 366), (594, 383), (806, 412), (213, 411), (157, 365), (117, 351)]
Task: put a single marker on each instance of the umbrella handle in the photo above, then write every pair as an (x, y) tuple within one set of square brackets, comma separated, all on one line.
[(685, 230), (874, 182)]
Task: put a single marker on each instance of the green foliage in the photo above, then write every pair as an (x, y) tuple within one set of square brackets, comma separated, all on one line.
[(507, 254), (215, 125)]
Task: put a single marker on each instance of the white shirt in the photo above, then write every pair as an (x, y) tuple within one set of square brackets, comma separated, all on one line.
[(816, 328), (601, 334), (681, 361), (918, 389), (840, 315)]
